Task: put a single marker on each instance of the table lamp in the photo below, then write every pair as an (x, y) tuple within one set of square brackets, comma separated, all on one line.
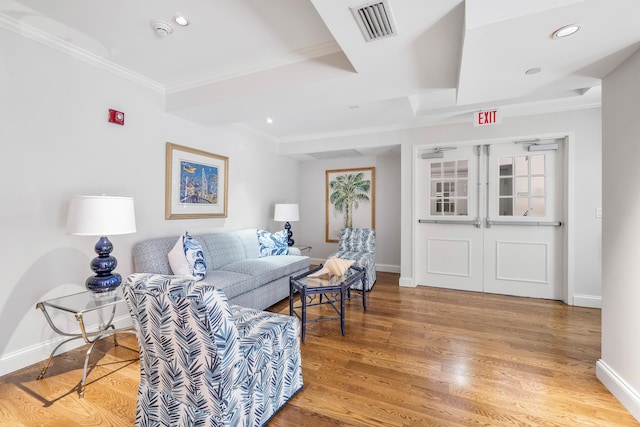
[(287, 212), (101, 216)]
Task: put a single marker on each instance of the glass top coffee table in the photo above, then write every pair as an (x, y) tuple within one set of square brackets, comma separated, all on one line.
[(331, 290)]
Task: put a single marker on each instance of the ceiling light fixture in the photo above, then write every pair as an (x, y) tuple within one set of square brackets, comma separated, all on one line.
[(181, 20), (160, 27), (534, 70), (269, 120), (566, 31)]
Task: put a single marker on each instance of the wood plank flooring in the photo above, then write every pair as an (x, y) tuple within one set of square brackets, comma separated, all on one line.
[(417, 357)]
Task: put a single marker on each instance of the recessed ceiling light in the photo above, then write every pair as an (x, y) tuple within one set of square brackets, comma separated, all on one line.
[(566, 31), (181, 20), (534, 70), (269, 120)]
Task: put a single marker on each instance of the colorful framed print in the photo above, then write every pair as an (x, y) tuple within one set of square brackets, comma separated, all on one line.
[(196, 183), (350, 200)]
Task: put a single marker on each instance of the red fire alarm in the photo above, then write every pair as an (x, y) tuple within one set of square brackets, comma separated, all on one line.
[(116, 117)]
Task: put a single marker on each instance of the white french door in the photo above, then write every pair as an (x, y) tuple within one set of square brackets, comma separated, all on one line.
[(449, 243), (490, 218)]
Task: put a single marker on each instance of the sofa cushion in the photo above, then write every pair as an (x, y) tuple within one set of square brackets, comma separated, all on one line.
[(221, 249), (273, 244), (249, 238), (270, 268), (230, 282)]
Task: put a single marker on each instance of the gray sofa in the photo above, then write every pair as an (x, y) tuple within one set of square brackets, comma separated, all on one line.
[(233, 265)]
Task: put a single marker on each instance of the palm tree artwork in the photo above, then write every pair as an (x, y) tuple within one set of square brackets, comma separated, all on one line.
[(347, 192)]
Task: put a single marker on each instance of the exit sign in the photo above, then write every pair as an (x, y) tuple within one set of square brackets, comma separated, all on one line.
[(486, 117)]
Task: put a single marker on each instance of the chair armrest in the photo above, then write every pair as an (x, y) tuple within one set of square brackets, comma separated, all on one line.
[(264, 336)]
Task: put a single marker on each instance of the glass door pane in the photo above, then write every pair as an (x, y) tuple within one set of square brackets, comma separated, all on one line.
[(449, 188)]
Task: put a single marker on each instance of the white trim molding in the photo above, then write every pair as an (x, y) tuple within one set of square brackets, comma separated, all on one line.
[(590, 301), (30, 32), (16, 360), (387, 268), (629, 397), (406, 282)]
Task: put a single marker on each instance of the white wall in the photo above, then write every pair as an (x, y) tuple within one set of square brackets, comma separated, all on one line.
[(585, 128), (311, 228), (618, 368), (56, 142)]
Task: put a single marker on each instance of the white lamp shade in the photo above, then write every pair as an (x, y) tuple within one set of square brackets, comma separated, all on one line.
[(101, 216), (286, 212)]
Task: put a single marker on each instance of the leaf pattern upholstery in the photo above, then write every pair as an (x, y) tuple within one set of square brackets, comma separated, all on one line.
[(204, 362), (359, 245)]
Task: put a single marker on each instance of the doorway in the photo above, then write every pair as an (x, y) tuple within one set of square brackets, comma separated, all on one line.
[(490, 218)]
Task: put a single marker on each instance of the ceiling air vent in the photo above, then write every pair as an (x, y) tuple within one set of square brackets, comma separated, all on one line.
[(375, 20)]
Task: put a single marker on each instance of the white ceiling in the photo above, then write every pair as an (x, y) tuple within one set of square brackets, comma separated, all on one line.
[(306, 64)]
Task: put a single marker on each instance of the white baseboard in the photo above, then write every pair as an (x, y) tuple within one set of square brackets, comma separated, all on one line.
[(387, 268), (317, 261), (406, 282), (629, 398), (37, 353), (591, 301)]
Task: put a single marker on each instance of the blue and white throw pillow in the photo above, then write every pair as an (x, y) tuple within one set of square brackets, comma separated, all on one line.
[(187, 258), (273, 244)]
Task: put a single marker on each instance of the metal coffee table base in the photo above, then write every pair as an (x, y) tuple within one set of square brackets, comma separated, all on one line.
[(315, 292)]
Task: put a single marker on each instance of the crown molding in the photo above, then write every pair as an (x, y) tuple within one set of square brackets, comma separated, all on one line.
[(30, 32), (300, 55), (427, 122)]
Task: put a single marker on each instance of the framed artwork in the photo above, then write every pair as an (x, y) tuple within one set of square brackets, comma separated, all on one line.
[(196, 184), (350, 200)]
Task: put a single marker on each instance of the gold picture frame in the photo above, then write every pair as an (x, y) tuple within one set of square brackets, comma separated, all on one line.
[(196, 183), (350, 200)]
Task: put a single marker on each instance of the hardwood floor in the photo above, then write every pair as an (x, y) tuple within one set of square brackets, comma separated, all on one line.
[(417, 357)]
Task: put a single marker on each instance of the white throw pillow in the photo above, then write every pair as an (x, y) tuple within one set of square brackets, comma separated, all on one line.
[(187, 259), (178, 261)]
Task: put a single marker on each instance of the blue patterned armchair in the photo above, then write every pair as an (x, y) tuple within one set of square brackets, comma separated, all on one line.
[(204, 362), (359, 244)]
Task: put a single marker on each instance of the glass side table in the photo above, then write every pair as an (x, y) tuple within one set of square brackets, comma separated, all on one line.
[(79, 305), (303, 248)]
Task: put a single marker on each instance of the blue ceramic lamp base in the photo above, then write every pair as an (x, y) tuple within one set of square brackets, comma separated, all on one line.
[(287, 227), (103, 265)]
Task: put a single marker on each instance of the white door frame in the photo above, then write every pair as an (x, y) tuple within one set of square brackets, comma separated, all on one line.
[(569, 196)]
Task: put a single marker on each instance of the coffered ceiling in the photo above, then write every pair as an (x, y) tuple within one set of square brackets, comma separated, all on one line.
[(306, 65)]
